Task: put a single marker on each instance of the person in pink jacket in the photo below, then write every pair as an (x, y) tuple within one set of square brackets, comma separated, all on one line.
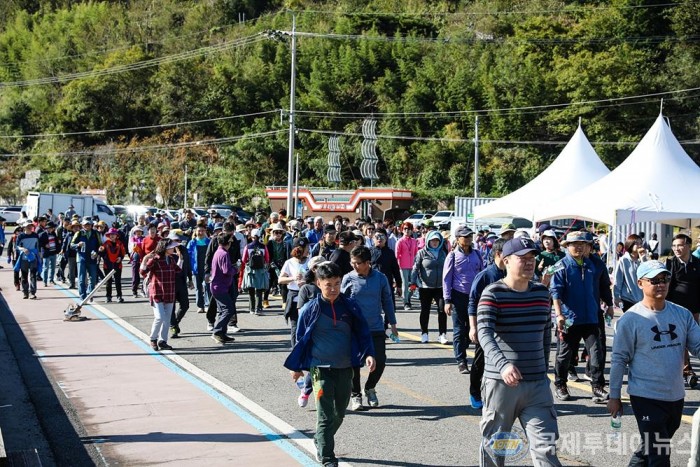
[(406, 249)]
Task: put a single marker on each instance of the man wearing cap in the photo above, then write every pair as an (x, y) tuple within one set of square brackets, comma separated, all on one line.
[(326, 246), (650, 340), (279, 251), (197, 251), (492, 273), (315, 234), (86, 242), (113, 252), (576, 300), (70, 212), (507, 231), (341, 256), (49, 244), (70, 253), (684, 288), (515, 385), (27, 252), (462, 265), (384, 261)]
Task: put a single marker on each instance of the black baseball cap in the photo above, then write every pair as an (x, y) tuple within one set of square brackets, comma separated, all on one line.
[(519, 247)]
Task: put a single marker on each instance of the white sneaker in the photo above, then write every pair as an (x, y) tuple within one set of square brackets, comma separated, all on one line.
[(234, 329), (443, 339), (356, 403), (424, 338), (210, 327)]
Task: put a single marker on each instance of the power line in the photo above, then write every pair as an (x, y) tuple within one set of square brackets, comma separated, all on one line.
[(492, 40), (489, 111), (115, 130), (158, 147), (485, 13), (139, 65)]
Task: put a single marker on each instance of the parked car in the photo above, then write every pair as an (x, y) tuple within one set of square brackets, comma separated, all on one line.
[(11, 214), (441, 217), (226, 209), (418, 218)]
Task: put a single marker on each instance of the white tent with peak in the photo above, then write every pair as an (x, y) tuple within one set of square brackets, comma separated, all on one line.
[(577, 166), (658, 182)]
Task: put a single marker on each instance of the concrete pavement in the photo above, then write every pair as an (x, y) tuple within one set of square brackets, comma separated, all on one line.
[(132, 405)]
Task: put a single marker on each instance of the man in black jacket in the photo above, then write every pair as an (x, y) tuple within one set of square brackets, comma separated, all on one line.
[(341, 256), (234, 253), (684, 289), (384, 260)]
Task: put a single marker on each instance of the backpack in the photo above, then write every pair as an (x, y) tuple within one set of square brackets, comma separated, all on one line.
[(257, 258)]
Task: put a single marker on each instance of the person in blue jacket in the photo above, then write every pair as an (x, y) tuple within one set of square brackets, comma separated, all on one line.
[(576, 300), (332, 337), (86, 242)]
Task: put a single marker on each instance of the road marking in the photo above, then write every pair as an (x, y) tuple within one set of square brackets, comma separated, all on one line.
[(234, 401)]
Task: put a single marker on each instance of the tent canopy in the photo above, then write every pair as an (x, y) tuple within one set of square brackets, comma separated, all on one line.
[(658, 182), (577, 166)]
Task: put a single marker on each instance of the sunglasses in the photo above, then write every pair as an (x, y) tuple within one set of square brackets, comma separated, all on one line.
[(380, 237), (659, 280)]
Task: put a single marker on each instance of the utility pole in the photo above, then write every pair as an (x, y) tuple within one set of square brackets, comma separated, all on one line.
[(296, 192), (476, 157), (292, 99)]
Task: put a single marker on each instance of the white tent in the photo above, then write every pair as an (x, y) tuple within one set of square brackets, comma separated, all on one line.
[(577, 166), (658, 182)]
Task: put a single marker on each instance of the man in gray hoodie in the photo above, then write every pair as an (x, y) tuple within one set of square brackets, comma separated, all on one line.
[(650, 342)]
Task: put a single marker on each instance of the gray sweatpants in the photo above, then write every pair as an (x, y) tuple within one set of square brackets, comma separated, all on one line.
[(532, 404)]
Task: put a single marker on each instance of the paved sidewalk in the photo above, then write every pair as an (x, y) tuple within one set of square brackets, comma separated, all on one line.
[(135, 405)]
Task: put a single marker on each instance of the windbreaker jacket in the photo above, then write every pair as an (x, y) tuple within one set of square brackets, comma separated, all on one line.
[(427, 267), (361, 346), (577, 288)]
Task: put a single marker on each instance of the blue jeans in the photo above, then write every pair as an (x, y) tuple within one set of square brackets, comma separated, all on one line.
[(49, 269), (406, 293), (87, 270), (202, 290), (460, 325)]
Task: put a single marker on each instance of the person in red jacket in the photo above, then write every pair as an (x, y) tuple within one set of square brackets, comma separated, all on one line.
[(112, 252), (151, 240)]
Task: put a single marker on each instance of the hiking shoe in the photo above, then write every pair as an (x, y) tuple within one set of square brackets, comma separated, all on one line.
[(691, 380), (210, 327), (227, 339), (174, 331), (356, 404), (154, 345), (32, 297), (218, 338), (108, 300), (52, 283), (330, 464), (475, 403), (371, 395), (600, 395), (162, 345), (200, 310), (303, 400), (424, 338), (407, 307), (120, 300), (258, 312), (266, 304), (572, 376), (463, 368), (442, 338), (586, 376), (562, 393)]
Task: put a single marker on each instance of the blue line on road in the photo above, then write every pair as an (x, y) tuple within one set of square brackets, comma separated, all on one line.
[(279, 440)]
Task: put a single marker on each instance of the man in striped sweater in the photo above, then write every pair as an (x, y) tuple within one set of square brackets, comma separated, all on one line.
[(514, 329)]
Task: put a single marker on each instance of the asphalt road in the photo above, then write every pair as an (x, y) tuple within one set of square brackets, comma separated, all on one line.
[(424, 416)]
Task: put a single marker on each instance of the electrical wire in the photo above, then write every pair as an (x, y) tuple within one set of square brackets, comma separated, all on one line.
[(157, 147), (148, 127), (485, 13), (202, 51)]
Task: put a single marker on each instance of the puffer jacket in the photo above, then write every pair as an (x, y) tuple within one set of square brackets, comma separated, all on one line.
[(428, 265)]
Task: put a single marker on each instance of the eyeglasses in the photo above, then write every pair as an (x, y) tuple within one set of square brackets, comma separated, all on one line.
[(380, 237), (659, 280)]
